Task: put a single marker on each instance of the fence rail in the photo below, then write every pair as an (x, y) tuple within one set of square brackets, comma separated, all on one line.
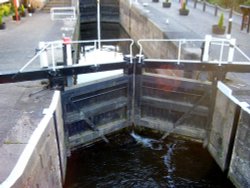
[(212, 50), (63, 13), (231, 14)]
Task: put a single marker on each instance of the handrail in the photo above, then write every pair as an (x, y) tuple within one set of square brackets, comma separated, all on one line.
[(224, 44), (51, 46), (109, 40), (221, 42)]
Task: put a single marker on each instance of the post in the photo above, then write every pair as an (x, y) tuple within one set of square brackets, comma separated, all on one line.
[(43, 56), (68, 57), (204, 5), (231, 50), (216, 10), (243, 21), (205, 57), (98, 25), (195, 3), (248, 23), (67, 42), (230, 20), (16, 6)]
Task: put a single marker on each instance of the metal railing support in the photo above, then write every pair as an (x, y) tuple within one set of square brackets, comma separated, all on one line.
[(43, 57), (63, 13), (205, 56), (231, 50)]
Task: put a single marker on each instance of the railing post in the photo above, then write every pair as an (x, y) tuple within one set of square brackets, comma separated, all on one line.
[(67, 42), (230, 20), (231, 50), (179, 52), (64, 54), (53, 57), (43, 56), (221, 52), (129, 65), (68, 57), (205, 55)]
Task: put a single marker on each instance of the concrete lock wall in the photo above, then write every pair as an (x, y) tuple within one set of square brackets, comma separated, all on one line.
[(221, 129), (43, 161), (239, 171), (229, 141)]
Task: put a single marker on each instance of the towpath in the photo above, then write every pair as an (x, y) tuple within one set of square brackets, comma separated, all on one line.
[(20, 110)]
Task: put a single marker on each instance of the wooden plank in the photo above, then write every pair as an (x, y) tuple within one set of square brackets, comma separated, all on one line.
[(196, 66), (95, 109), (90, 137), (174, 105), (92, 87), (184, 83)]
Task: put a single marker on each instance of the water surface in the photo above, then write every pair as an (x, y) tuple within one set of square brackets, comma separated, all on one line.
[(142, 161)]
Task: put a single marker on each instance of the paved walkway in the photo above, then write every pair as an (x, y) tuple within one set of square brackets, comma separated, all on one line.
[(20, 111), (20, 40)]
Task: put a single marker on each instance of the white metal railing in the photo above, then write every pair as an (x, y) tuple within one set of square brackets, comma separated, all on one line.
[(96, 44), (42, 53), (49, 53), (63, 13), (211, 50)]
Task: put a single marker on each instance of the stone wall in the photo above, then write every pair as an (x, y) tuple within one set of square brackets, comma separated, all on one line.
[(229, 141), (43, 161), (239, 171), (222, 129)]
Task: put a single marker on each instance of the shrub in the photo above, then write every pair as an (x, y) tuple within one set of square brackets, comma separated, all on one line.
[(247, 3), (21, 8), (184, 6), (221, 21), (1, 15), (6, 9)]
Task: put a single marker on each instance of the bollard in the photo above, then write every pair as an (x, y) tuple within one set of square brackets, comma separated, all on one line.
[(43, 56), (204, 6), (216, 10), (195, 3)]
